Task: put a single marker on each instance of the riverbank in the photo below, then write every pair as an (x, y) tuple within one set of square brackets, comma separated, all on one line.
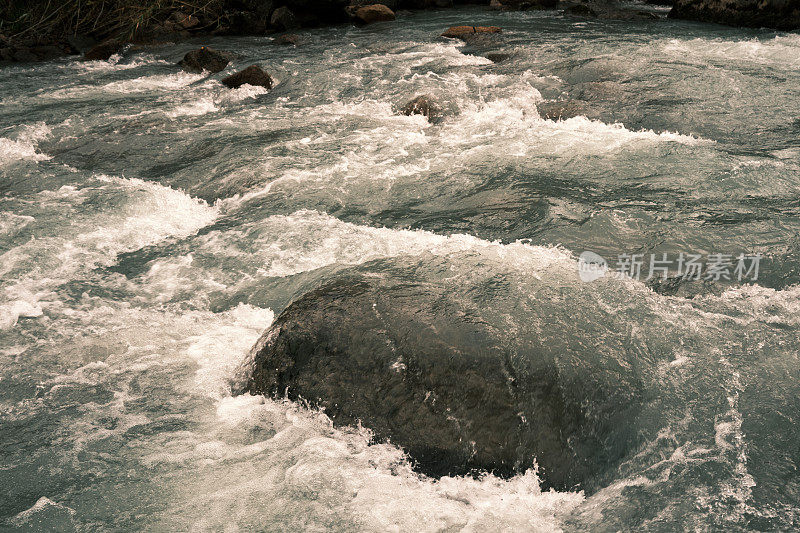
[(37, 31)]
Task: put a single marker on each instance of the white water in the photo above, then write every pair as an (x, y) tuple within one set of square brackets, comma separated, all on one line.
[(153, 223)]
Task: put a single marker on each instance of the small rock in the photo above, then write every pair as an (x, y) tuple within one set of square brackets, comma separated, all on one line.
[(286, 39), (205, 58), (374, 13), (425, 106), (103, 51), (497, 57), (284, 19), (464, 32), (496, 5), (252, 75), (683, 287)]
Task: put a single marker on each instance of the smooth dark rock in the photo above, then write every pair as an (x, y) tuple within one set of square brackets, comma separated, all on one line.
[(103, 51), (425, 106), (205, 58), (284, 19), (405, 358), (373, 13), (683, 287), (497, 57), (252, 75), (778, 14), (356, 4)]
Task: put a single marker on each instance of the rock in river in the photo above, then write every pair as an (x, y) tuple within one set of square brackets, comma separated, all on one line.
[(465, 32), (252, 75), (423, 105), (103, 51), (373, 13), (205, 58), (406, 359)]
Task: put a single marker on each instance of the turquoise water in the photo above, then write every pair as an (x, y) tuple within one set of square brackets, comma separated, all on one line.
[(153, 223)]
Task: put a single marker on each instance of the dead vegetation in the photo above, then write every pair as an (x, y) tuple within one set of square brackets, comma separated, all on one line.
[(125, 19)]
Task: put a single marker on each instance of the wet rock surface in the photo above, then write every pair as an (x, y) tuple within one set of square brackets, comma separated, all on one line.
[(423, 105), (205, 58), (103, 51), (373, 13), (407, 360), (468, 32), (252, 75)]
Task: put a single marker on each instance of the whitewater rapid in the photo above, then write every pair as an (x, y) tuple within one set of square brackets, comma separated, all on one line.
[(154, 223)]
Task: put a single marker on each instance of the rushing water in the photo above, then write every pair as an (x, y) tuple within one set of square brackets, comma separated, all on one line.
[(152, 223)]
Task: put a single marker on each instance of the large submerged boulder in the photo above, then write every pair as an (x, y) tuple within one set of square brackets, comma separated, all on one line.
[(778, 14), (409, 361)]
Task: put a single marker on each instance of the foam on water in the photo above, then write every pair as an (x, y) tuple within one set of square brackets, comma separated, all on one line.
[(11, 224), (142, 213), (22, 144), (248, 460), (119, 364), (782, 51), (143, 84), (115, 63), (323, 470), (285, 245), (45, 515)]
